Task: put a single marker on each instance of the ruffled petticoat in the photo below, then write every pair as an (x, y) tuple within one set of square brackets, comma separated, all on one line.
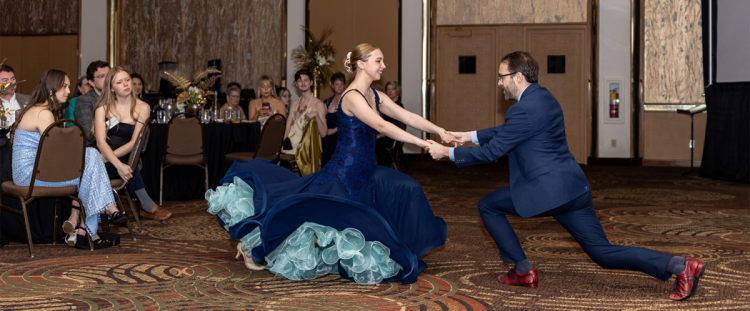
[(298, 257)]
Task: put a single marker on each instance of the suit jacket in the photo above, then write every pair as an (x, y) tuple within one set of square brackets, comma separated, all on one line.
[(84, 112), (543, 172), (23, 100)]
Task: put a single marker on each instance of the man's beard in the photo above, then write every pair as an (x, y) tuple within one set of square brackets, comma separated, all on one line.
[(510, 90)]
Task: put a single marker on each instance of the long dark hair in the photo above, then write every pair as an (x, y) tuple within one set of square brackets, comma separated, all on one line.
[(143, 83), (52, 80), (78, 86)]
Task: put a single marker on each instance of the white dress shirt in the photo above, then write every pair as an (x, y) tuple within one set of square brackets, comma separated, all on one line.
[(10, 107)]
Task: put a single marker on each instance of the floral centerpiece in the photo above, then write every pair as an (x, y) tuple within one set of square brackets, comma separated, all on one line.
[(189, 96), (317, 58)]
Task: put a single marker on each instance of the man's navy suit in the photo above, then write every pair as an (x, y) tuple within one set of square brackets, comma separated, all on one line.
[(545, 180)]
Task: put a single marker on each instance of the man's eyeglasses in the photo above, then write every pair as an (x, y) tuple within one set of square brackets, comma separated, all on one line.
[(499, 76)]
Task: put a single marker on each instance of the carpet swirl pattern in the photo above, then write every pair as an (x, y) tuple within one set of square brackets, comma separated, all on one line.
[(187, 262)]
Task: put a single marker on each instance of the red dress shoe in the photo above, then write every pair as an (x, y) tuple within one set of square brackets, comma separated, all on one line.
[(687, 281), (527, 279)]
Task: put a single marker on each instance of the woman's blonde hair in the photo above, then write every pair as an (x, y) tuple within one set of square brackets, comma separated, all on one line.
[(273, 88), (361, 52), (395, 86), (108, 99)]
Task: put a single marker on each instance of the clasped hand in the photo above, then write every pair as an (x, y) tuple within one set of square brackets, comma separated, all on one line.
[(438, 151), (125, 172)]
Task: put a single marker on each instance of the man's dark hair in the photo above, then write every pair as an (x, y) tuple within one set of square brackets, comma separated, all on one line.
[(230, 84), (6, 68), (300, 73), (525, 64), (338, 77), (93, 67)]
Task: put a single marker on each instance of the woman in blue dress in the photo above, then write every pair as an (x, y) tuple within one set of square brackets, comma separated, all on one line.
[(366, 222), (94, 189)]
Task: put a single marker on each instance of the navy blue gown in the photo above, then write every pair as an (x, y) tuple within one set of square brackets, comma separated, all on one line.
[(351, 191)]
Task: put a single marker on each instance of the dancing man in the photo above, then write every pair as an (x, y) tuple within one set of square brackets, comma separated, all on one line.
[(545, 180)]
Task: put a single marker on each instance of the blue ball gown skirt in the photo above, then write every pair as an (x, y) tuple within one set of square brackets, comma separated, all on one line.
[(370, 240)]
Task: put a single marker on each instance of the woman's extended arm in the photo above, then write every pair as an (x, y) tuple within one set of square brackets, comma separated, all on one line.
[(358, 107), (388, 107)]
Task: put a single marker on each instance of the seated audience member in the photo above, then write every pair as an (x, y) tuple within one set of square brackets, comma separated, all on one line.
[(11, 100), (233, 104), (338, 84), (234, 84), (285, 97), (267, 104), (139, 89), (118, 118), (93, 188), (81, 88), (393, 90), (301, 111), (86, 103)]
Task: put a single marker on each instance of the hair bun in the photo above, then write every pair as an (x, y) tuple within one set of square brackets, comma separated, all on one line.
[(348, 63)]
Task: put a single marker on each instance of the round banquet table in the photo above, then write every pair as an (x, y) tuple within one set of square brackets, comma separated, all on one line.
[(187, 182)]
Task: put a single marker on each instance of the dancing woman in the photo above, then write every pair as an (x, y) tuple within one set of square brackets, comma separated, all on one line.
[(367, 222)]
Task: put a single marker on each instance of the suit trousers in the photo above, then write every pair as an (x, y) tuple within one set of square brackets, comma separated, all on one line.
[(580, 220)]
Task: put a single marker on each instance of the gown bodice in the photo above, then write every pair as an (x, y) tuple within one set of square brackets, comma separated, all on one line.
[(118, 136), (354, 160)]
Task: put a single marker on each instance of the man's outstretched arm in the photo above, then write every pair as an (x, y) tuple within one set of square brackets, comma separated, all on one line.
[(516, 130)]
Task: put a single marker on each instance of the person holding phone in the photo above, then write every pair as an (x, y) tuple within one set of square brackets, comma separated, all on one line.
[(267, 104)]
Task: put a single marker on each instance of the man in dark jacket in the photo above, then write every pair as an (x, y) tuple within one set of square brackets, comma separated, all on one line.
[(545, 180)]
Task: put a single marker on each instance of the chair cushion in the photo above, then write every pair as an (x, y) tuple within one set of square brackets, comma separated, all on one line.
[(184, 159), (241, 156), (11, 188), (116, 183)]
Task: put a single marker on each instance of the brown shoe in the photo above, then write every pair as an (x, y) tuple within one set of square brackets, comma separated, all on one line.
[(158, 213)]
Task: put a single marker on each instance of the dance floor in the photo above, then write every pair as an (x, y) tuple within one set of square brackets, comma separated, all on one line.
[(187, 262)]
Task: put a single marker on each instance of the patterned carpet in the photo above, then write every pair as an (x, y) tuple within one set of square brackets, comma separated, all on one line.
[(187, 262)]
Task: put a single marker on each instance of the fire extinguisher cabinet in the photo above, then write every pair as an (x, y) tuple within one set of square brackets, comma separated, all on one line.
[(614, 107)]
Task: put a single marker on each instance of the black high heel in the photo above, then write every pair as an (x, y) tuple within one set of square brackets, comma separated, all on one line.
[(118, 217), (105, 240)]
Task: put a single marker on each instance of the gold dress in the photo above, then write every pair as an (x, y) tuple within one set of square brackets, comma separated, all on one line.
[(310, 153)]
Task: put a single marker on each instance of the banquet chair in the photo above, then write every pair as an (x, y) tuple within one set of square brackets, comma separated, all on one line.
[(182, 147), (61, 156), (119, 184), (269, 144)]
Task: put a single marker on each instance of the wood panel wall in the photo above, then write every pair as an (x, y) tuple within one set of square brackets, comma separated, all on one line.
[(246, 35), (667, 142), (455, 107), (672, 52), (482, 12), (30, 56), (39, 17), (354, 22)]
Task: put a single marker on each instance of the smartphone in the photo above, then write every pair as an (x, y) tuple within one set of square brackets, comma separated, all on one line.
[(266, 106)]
